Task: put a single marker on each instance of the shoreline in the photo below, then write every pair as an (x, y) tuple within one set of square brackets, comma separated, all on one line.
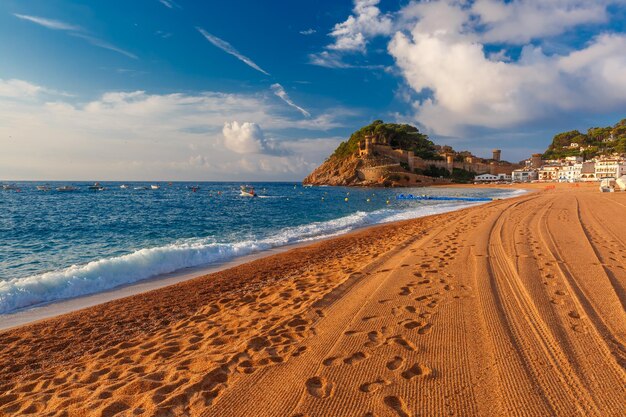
[(511, 305), (55, 308)]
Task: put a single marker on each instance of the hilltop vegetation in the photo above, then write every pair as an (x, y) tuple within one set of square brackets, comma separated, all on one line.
[(401, 136), (597, 141)]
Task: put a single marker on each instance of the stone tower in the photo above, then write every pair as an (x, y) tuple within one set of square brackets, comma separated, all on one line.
[(536, 161), (496, 154)]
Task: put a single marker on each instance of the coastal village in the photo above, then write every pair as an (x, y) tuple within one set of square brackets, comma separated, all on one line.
[(390, 155)]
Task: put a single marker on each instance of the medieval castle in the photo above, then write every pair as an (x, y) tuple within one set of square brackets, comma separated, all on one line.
[(379, 159)]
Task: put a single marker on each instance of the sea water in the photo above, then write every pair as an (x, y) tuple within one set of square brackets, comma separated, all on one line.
[(58, 245)]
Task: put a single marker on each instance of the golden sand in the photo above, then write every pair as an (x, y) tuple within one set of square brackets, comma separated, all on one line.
[(513, 308)]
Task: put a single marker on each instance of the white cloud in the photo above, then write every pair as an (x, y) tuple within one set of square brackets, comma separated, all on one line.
[(75, 31), (103, 44), (137, 135), (442, 56), (18, 88), (244, 138), (229, 49), (48, 23), (170, 4), (280, 92), (307, 32), (520, 21), (366, 22)]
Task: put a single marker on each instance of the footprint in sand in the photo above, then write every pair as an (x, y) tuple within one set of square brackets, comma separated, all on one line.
[(416, 370), (410, 309), (574, 314), (401, 341), (319, 387), (397, 405), (395, 363), (374, 386), (331, 361), (375, 339), (356, 358), (560, 292), (406, 291), (425, 329), (412, 324)]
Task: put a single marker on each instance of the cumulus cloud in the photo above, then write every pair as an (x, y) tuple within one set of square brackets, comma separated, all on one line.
[(229, 49), (307, 32), (520, 21), (280, 92), (48, 23), (366, 21), (353, 35), (442, 57), (244, 138)]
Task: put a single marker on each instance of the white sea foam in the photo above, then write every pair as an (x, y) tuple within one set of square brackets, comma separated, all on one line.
[(105, 274)]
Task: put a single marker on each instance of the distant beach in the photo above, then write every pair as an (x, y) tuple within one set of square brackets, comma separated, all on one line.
[(514, 306)]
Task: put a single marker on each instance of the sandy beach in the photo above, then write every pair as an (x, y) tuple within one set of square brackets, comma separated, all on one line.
[(512, 308)]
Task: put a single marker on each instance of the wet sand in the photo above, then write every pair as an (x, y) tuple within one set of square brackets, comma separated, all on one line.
[(513, 308)]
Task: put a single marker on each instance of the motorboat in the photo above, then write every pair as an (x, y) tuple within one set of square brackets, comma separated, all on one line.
[(142, 187), (155, 187), (194, 188), (43, 188), (123, 186), (66, 189), (247, 191), (10, 187), (96, 187)]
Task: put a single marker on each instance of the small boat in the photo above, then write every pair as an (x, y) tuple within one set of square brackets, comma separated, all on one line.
[(247, 191), (142, 187), (10, 187), (194, 188), (123, 186), (43, 188), (96, 187), (66, 189), (308, 185), (155, 187)]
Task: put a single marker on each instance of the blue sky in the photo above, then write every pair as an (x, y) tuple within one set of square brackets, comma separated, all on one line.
[(181, 89)]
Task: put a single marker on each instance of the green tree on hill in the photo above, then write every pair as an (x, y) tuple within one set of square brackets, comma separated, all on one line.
[(399, 136), (597, 141)]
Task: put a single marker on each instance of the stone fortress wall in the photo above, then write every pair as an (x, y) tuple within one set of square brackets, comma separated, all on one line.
[(371, 147)]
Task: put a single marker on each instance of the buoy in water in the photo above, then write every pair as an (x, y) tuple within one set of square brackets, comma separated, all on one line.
[(345, 199), (387, 201), (368, 200)]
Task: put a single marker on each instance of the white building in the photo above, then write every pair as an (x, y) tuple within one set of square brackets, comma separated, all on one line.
[(570, 172), (524, 175), (490, 177), (549, 173), (610, 168)]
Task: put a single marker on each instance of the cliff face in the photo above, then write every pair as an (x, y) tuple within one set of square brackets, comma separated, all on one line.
[(336, 171)]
